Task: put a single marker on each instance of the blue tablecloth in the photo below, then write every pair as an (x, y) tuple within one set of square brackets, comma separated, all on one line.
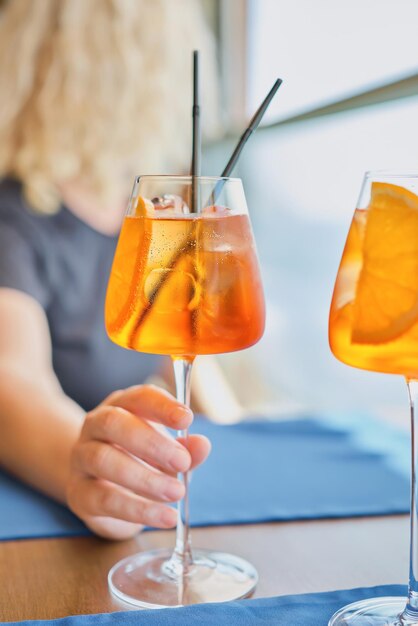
[(312, 609), (260, 471)]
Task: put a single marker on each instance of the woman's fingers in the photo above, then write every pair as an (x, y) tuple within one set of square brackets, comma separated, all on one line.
[(101, 460), (112, 528), (124, 466), (198, 446), (91, 497), (117, 426), (152, 403)]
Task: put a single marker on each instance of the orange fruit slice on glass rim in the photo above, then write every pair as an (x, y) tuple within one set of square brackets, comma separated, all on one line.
[(143, 207), (386, 300)]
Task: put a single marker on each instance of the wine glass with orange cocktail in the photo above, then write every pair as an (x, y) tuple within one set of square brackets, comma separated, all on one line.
[(184, 284), (185, 281), (373, 325)]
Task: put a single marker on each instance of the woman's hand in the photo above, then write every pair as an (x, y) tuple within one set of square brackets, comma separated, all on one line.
[(124, 465)]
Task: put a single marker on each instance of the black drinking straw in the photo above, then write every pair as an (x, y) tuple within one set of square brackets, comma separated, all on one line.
[(197, 140), (255, 121), (195, 171)]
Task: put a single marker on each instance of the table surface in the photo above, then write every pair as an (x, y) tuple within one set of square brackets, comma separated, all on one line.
[(47, 578)]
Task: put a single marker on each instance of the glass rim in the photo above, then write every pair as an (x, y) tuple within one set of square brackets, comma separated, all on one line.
[(388, 173), (186, 178)]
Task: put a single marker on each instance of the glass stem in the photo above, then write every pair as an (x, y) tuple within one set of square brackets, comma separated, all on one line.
[(411, 610), (182, 555)]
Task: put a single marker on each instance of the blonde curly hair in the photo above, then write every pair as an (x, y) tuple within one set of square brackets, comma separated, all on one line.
[(98, 91)]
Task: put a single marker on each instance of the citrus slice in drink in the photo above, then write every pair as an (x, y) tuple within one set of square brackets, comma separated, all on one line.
[(143, 207), (386, 300), (129, 264)]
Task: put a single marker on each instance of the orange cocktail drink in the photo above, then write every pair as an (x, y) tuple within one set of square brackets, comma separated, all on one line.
[(374, 311), (185, 286)]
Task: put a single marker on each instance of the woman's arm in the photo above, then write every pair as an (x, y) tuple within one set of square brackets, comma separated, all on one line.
[(113, 467), (39, 424)]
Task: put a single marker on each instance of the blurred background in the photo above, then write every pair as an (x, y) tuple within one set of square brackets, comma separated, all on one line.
[(349, 103)]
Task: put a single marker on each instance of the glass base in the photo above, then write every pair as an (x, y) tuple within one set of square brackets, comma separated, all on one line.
[(145, 580), (374, 612)]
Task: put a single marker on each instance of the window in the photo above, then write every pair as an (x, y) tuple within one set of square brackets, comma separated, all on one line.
[(351, 70), (327, 50)]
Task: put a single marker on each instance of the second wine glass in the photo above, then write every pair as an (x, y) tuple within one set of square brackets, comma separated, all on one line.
[(373, 325)]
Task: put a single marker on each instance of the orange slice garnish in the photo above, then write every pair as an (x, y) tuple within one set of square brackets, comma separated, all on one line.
[(129, 264), (386, 300), (143, 207)]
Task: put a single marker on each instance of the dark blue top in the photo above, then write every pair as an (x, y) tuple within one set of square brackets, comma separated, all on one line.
[(64, 264)]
